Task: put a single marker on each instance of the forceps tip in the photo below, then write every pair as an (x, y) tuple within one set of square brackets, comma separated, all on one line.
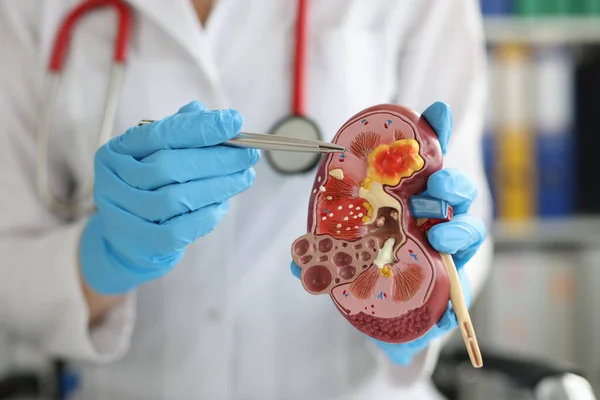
[(332, 148)]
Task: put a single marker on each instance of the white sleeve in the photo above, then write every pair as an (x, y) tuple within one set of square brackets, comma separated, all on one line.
[(41, 300), (443, 59)]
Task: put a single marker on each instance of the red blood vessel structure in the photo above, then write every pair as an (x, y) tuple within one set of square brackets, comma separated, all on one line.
[(363, 247)]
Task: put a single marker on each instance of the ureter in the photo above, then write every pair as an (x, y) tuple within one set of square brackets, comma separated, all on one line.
[(386, 254)]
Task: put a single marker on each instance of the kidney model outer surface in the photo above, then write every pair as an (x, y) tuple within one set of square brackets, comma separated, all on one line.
[(363, 247)]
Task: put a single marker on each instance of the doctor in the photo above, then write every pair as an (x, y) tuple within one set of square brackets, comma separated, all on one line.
[(179, 285)]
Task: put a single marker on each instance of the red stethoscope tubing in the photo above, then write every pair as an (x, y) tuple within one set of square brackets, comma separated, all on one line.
[(63, 37), (298, 99), (63, 40), (297, 124), (57, 61)]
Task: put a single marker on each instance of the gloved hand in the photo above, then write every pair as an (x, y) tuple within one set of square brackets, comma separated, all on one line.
[(461, 237), (158, 188)]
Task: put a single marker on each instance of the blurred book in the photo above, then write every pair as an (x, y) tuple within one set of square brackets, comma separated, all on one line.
[(584, 7), (515, 176), (532, 8), (554, 120), (497, 7), (588, 137), (540, 8)]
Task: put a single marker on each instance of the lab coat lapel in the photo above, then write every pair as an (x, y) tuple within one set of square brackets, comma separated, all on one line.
[(178, 19)]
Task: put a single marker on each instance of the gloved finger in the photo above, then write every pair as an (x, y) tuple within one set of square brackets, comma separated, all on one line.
[(147, 244), (454, 186), (439, 116), (179, 131), (186, 228), (171, 201), (167, 167), (461, 237), (191, 196), (194, 106), (296, 270), (449, 320), (403, 353), (462, 257)]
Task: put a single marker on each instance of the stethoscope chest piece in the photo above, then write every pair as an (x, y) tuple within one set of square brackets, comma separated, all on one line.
[(295, 162)]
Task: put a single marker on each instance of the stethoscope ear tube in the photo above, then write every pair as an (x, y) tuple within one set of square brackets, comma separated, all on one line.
[(63, 37), (73, 208)]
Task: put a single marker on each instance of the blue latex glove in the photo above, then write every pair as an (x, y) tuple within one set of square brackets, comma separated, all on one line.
[(461, 237), (158, 188)]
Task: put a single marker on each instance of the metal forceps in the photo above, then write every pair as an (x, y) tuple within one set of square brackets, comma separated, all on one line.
[(275, 142)]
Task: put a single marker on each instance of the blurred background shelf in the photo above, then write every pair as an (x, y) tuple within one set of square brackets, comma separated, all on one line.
[(542, 30), (540, 152), (579, 232)]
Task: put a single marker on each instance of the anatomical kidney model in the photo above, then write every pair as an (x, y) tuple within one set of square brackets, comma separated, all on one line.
[(363, 246)]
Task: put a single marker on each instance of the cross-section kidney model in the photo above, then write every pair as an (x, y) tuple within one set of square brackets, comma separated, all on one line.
[(363, 247)]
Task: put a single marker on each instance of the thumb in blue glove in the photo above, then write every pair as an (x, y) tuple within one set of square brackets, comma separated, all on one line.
[(158, 188)]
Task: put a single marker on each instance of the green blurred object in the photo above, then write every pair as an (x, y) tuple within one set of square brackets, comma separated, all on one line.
[(560, 7), (534, 8), (591, 7), (529, 8), (577, 7), (584, 7)]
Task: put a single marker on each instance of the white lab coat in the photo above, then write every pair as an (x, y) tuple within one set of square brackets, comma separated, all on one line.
[(230, 322)]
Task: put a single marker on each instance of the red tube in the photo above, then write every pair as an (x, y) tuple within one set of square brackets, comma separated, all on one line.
[(63, 38), (300, 61)]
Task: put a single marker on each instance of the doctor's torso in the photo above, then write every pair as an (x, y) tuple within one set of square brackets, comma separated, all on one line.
[(230, 322)]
